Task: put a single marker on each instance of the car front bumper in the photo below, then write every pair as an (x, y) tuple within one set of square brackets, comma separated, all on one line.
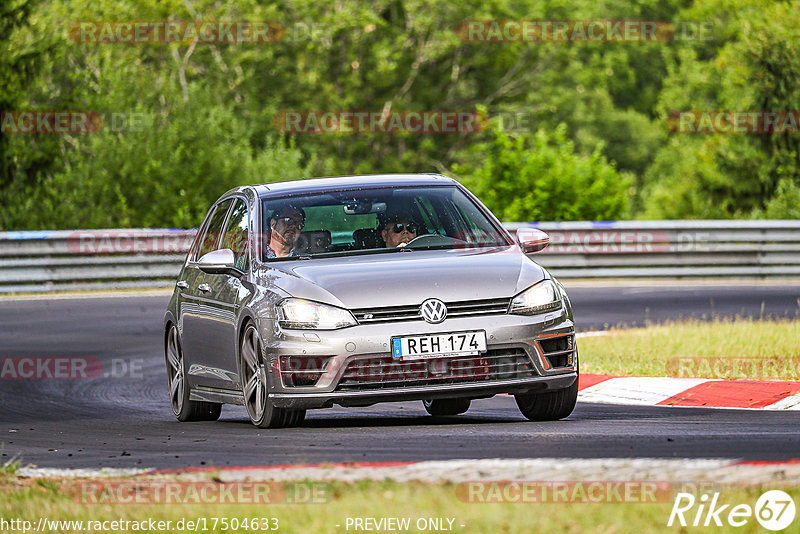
[(370, 341), (303, 401)]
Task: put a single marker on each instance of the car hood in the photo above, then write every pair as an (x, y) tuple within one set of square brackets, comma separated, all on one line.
[(406, 278)]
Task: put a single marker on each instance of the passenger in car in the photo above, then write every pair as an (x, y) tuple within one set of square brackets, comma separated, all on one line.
[(285, 226), (398, 229)]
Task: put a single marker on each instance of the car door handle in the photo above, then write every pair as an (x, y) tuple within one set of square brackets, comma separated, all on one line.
[(183, 284), (205, 288)]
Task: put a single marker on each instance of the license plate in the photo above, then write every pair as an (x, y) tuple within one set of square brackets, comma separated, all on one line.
[(451, 344)]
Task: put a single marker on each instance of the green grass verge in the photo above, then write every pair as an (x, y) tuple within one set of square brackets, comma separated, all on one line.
[(30, 500), (723, 348), (9, 468)]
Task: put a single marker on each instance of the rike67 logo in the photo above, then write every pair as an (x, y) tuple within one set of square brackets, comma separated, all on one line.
[(774, 510)]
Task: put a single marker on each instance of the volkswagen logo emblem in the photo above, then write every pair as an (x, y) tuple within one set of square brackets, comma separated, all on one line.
[(433, 311)]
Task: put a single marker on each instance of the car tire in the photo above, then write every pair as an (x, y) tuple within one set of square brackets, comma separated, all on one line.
[(549, 406), (440, 407), (183, 408), (255, 386), (297, 417), (553, 405), (289, 418)]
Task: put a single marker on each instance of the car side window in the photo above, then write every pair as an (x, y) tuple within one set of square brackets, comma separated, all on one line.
[(235, 237), (211, 238), (201, 232)]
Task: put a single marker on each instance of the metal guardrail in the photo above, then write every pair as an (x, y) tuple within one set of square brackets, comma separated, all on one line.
[(133, 258), (91, 259), (671, 249)]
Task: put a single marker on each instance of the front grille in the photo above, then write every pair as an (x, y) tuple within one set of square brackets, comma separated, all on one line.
[(411, 313), (558, 350), (386, 372)]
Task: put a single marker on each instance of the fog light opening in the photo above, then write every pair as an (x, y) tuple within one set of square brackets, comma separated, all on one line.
[(297, 371)]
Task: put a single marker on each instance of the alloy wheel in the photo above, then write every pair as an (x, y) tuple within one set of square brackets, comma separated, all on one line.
[(175, 360), (253, 375)]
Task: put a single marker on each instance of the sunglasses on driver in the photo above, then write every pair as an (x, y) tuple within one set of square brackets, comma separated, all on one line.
[(398, 228), (290, 221)]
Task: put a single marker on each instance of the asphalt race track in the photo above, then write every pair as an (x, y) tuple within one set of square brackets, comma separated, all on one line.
[(125, 421)]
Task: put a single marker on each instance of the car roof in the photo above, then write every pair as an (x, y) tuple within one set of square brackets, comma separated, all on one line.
[(369, 181)]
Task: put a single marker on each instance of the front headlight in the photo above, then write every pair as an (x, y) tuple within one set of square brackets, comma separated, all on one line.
[(305, 314), (540, 298)]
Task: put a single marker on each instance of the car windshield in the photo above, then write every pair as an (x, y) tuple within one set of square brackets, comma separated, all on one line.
[(374, 221)]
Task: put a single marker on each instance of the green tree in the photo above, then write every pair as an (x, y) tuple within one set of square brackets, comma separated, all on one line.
[(754, 69), (211, 105), (541, 178), (22, 51), (166, 174)]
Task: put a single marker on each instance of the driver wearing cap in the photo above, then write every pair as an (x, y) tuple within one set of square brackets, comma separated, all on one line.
[(285, 226)]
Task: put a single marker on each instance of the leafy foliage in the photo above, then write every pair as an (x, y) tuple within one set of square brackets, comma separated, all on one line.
[(591, 140), (732, 175), (544, 179)]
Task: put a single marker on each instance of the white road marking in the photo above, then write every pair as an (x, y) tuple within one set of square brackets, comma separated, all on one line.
[(593, 333), (788, 403), (637, 390)]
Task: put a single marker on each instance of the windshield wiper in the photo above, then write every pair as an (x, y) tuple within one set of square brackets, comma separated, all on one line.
[(337, 254), (458, 246), (362, 252)]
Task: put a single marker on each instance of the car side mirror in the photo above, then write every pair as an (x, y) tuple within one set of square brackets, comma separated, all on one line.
[(221, 261), (532, 240)]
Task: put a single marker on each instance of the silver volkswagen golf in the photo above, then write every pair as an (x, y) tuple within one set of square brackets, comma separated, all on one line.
[(365, 289)]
